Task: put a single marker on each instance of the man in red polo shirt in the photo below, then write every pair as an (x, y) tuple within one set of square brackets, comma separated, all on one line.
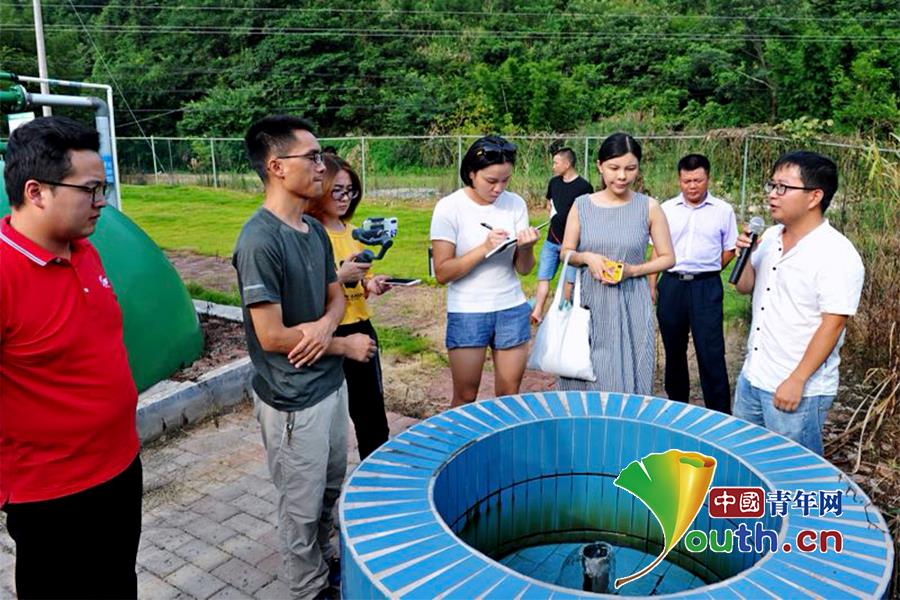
[(70, 473)]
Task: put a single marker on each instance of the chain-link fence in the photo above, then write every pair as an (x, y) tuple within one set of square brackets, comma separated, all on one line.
[(427, 167), (423, 169)]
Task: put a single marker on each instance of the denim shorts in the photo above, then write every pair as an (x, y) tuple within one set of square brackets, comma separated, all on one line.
[(803, 425), (501, 329), (549, 261)]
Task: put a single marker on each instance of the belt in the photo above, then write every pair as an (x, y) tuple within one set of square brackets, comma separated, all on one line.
[(692, 276)]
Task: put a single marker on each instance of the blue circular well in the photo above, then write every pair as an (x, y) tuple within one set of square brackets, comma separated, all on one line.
[(428, 512), (546, 480)]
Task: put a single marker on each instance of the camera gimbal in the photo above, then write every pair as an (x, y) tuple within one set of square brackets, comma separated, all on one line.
[(375, 231)]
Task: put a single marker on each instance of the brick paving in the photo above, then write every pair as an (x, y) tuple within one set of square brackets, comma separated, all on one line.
[(209, 515)]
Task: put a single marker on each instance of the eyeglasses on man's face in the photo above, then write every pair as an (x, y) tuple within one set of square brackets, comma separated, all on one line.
[(338, 192), (782, 188), (315, 156), (97, 192)]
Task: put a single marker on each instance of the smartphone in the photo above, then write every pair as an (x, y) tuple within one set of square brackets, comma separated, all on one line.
[(617, 269), (402, 282)]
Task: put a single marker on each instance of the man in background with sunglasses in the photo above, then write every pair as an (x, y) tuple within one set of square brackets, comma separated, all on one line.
[(70, 473), (806, 279)]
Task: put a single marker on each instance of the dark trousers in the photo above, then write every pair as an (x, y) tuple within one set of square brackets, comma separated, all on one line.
[(80, 546), (694, 307), (366, 393)]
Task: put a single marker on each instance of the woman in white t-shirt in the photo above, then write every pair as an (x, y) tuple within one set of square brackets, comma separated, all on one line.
[(480, 239)]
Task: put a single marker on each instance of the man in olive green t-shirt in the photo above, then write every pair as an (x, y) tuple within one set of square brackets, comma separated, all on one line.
[(292, 304)]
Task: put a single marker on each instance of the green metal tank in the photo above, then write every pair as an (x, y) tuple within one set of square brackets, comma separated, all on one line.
[(162, 332)]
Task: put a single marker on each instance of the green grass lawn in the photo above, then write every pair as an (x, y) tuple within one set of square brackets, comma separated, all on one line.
[(202, 220), (735, 307), (198, 292), (207, 221)]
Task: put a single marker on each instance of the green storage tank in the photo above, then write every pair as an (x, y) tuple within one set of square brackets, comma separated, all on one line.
[(162, 332)]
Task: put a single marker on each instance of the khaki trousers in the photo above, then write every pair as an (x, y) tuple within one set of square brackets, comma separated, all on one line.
[(306, 452)]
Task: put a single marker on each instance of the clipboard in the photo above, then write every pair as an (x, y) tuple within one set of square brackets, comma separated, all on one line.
[(511, 242)]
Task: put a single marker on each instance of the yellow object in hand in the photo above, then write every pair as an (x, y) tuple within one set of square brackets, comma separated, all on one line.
[(615, 268)]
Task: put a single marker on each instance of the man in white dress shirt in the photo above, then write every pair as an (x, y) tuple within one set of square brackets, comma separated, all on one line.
[(806, 279), (689, 295)]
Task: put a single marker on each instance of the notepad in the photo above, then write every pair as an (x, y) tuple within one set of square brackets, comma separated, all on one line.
[(509, 242)]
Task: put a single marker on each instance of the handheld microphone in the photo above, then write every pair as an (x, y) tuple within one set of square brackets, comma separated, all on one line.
[(756, 227)]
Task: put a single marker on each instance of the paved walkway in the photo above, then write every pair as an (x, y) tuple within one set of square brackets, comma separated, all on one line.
[(209, 515)]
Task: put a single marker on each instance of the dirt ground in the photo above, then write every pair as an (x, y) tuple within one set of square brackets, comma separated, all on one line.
[(224, 343), (420, 386), (415, 386)]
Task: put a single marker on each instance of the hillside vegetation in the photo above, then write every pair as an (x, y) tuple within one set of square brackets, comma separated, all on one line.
[(209, 67)]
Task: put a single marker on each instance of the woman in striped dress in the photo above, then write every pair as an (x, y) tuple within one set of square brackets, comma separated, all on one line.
[(615, 224)]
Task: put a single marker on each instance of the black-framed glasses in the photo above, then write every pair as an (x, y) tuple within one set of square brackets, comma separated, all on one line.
[(315, 156), (339, 192), (782, 188), (99, 189), (493, 151)]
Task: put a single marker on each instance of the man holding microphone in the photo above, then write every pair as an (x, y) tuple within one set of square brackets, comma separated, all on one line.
[(806, 279)]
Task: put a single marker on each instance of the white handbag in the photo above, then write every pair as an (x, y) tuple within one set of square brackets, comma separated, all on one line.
[(562, 344)]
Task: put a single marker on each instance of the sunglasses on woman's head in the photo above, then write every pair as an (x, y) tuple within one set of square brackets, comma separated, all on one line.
[(493, 151)]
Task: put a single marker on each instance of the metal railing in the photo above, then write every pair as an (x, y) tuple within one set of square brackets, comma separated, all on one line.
[(427, 167)]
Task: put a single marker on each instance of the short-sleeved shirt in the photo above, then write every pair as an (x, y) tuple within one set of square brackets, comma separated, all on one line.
[(492, 285), (67, 398), (278, 264), (561, 195), (822, 273), (700, 233), (344, 246)]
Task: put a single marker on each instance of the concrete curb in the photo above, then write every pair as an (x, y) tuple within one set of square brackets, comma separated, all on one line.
[(231, 313), (170, 405)]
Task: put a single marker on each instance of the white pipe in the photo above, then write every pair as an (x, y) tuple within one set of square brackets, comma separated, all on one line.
[(112, 120), (115, 148), (63, 82), (101, 123), (60, 100)]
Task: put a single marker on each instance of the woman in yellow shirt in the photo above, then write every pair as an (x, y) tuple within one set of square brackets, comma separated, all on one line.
[(334, 209)]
